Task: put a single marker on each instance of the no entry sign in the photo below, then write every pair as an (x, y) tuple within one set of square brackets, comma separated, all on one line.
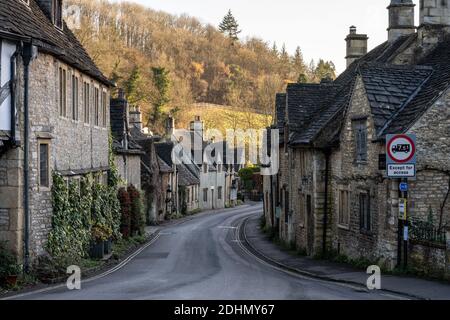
[(401, 155)]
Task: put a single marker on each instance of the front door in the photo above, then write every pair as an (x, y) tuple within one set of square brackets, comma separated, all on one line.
[(310, 225)]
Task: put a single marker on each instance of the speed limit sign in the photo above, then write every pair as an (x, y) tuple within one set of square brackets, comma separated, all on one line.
[(401, 155)]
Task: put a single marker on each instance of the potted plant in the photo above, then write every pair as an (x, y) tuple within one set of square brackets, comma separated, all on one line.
[(98, 237), (107, 244), (9, 269)]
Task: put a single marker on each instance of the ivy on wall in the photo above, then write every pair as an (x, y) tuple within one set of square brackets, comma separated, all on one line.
[(84, 211)]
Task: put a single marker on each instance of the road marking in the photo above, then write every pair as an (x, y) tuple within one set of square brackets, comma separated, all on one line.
[(227, 227), (116, 268), (300, 276)]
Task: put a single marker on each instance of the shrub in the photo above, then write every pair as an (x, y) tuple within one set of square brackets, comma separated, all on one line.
[(137, 211), (8, 262), (125, 211)]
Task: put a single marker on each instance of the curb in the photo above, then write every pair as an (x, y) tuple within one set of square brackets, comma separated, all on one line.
[(310, 274)]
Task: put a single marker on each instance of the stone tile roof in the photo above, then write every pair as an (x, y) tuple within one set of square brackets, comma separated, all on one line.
[(164, 152), (280, 108), (389, 87), (18, 18), (318, 109), (163, 166), (430, 91), (120, 129), (186, 177)]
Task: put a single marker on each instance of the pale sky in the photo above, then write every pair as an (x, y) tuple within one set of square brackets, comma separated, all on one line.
[(318, 27)]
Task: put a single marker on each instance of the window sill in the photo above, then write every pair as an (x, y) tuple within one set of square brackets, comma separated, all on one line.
[(343, 227)]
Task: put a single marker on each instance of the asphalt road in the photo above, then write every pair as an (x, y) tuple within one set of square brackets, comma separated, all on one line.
[(203, 259)]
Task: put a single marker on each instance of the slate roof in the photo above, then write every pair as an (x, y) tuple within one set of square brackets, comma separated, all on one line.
[(186, 177), (120, 129), (163, 166), (280, 107), (164, 152), (389, 87), (430, 91), (18, 18), (318, 109)]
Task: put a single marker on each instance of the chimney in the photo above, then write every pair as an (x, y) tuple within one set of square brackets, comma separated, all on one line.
[(170, 127), (434, 22), (401, 19), (136, 117), (435, 13), (196, 129), (356, 46)]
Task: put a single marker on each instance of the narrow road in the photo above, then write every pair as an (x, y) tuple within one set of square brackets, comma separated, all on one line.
[(203, 259)]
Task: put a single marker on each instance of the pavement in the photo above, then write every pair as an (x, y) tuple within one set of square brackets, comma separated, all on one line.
[(325, 270), (203, 257)]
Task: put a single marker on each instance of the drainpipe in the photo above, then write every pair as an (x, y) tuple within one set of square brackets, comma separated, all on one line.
[(325, 207), (12, 89), (27, 56)]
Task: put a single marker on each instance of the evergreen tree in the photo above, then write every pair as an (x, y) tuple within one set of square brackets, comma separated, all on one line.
[(230, 26), (325, 70), (162, 83), (132, 86), (299, 66)]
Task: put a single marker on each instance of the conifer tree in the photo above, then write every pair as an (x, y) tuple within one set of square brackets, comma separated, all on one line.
[(230, 26)]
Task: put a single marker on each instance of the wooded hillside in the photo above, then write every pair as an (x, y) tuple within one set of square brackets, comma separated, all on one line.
[(166, 63)]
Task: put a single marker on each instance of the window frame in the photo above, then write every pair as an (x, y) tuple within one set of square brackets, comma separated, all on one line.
[(62, 91), (87, 102), (47, 143), (205, 194), (344, 220), (57, 7), (365, 216), (75, 97), (360, 129), (96, 106), (219, 193)]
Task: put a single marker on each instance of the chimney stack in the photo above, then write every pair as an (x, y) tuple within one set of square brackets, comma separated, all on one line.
[(136, 117), (401, 19), (435, 13), (356, 46), (170, 127)]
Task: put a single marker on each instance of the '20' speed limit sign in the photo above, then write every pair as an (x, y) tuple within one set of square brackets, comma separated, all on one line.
[(401, 156)]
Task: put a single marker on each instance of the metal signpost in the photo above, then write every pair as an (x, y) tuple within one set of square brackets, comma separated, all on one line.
[(401, 164)]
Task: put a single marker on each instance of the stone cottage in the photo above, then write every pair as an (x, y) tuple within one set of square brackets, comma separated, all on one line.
[(127, 152), (335, 131), (54, 117)]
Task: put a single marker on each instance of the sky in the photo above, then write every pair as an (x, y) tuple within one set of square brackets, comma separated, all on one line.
[(318, 27)]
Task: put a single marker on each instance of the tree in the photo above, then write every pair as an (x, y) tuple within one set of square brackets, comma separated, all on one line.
[(161, 99), (133, 86), (299, 66), (230, 26), (325, 70)]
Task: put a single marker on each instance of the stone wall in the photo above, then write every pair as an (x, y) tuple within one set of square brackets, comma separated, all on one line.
[(354, 177), (75, 147), (129, 167)]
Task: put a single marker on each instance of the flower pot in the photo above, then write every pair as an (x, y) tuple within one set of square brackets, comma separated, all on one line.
[(11, 281), (107, 247), (97, 250)]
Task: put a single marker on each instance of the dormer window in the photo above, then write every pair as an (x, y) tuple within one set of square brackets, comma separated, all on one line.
[(57, 13)]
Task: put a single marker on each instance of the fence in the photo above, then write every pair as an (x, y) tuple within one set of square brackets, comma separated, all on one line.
[(425, 231)]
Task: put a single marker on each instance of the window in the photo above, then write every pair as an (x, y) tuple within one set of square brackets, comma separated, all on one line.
[(286, 206), (344, 208), (360, 129), (364, 212), (57, 13), (205, 168), (205, 195), (86, 102), (44, 170), (104, 109), (219, 193), (62, 92), (74, 98), (96, 107)]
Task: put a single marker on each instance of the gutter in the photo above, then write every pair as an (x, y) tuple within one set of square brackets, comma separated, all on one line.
[(12, 88)]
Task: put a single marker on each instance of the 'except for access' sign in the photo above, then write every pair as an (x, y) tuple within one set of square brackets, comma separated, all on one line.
[(401, 155)]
